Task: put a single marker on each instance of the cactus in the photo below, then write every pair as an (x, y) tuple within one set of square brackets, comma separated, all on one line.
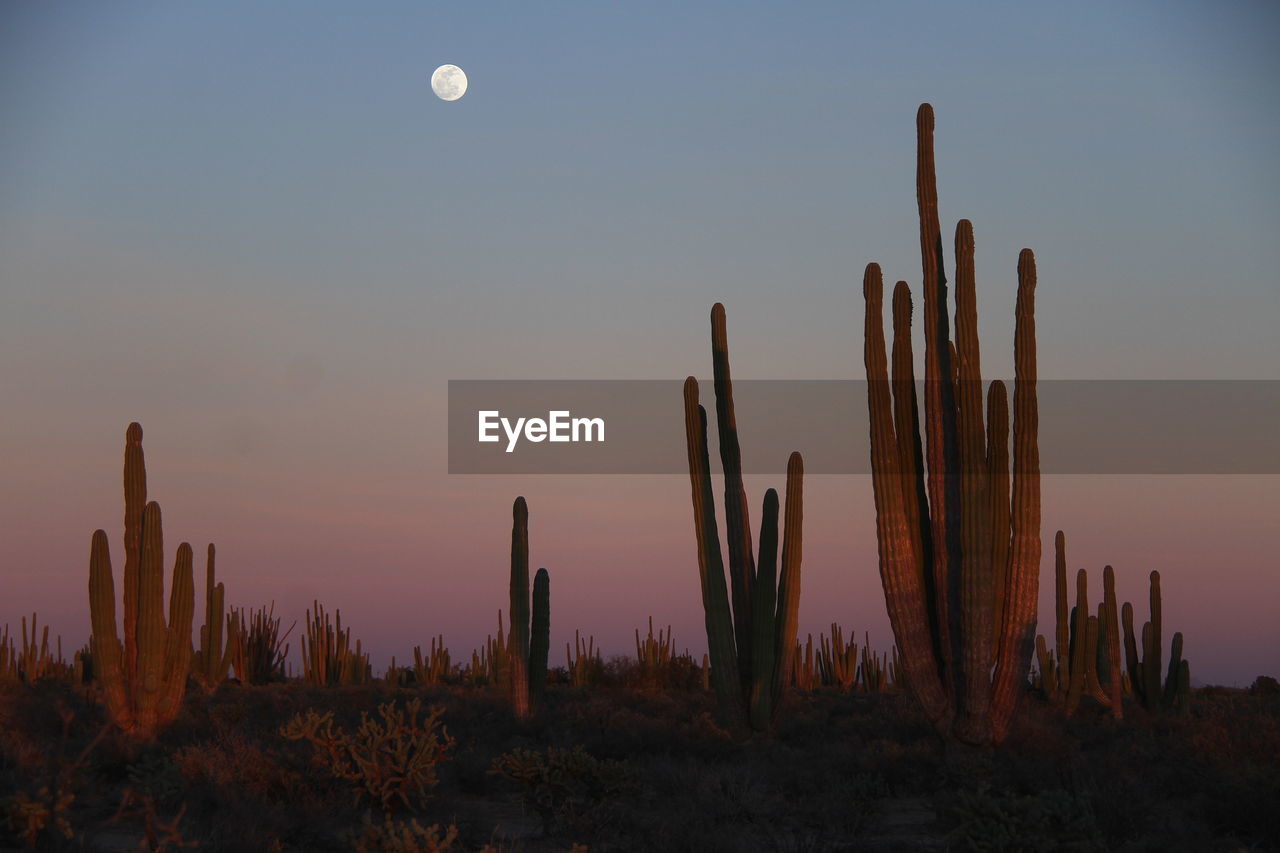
[(143, 678), (255, 648), (959, 546), (750, 644), (433, 667), (327, 655), (211, 662), (837, 660), (530, 639), (1174, 695), (583, 661), (653, 655)]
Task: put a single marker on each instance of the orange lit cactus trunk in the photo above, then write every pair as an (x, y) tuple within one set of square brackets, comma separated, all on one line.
[(959, 536)]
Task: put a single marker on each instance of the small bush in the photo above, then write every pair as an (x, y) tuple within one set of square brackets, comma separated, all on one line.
[(392, 762)]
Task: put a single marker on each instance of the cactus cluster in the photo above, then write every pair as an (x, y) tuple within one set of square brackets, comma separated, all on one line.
[(255, 648), (530, 639), (750, 641), (959, 545), (1174, 693), (327, 654), (213, 658), (583, 661), (143, 678), (1086, 660)]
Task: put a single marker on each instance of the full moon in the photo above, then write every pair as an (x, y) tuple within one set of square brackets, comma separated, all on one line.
[(449, 83)]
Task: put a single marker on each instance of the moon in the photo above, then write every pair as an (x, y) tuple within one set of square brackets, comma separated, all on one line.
[(449, 82)]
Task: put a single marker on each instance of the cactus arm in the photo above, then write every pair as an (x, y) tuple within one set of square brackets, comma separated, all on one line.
[(939, 407), (1024, 557), (764, 593), (788, 613), (998, 496), (900, 569), (715, 594), (107, 654), (519, 608), (178, 640), (539, 636), (1151, 657), (736, 518), (1111, 625), (135, 501)]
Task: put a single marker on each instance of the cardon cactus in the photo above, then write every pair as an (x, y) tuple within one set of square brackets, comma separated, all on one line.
[(1087, 660), (530, 640), (1144, 673), (213, 658), (143, 678), (959, 544), (751, 643)]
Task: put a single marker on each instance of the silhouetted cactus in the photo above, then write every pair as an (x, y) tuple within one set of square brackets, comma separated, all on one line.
[(751, 644), (530, 640), (142, 679), (213, 659), (1144, 673), (959, 548), (1087, 662), (327, 655)]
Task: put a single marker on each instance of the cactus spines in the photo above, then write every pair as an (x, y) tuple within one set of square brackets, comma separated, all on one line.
[(751, 645), (142, 680), (959, 545), (530, 639)]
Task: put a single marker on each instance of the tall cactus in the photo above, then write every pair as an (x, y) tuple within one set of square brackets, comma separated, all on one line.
[(959, 544), (751, 645), (143, 679), (530, 640)]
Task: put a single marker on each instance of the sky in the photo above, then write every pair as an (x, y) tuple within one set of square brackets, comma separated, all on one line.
[(253, 229)]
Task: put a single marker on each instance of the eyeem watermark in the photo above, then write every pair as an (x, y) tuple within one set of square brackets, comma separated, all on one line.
[(559, 426)]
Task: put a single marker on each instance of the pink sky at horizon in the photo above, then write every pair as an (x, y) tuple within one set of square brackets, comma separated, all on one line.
[(404, 564)]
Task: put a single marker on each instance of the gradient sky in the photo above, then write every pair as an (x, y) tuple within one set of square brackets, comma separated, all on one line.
[(253, 229)]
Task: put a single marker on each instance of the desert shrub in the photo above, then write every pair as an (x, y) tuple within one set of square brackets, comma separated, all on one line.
[(391, 762), (566, 787), (1265, 685), (1044, 821), (407, 837)]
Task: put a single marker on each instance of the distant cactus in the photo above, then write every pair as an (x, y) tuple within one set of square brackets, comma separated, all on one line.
[(1087, 662), (750, 642), (530, 639), (1174, 694), (213, 658), (959, 545), (143, 678), (583, 661), (255, 647), (327, 654)]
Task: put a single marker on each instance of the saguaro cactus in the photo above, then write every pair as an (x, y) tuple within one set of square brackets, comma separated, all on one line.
[(530, 634), (142, 679), (959, 549), (751, 645)]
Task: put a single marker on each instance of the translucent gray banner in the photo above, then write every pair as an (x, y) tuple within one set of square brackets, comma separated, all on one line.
[(637, 426)]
